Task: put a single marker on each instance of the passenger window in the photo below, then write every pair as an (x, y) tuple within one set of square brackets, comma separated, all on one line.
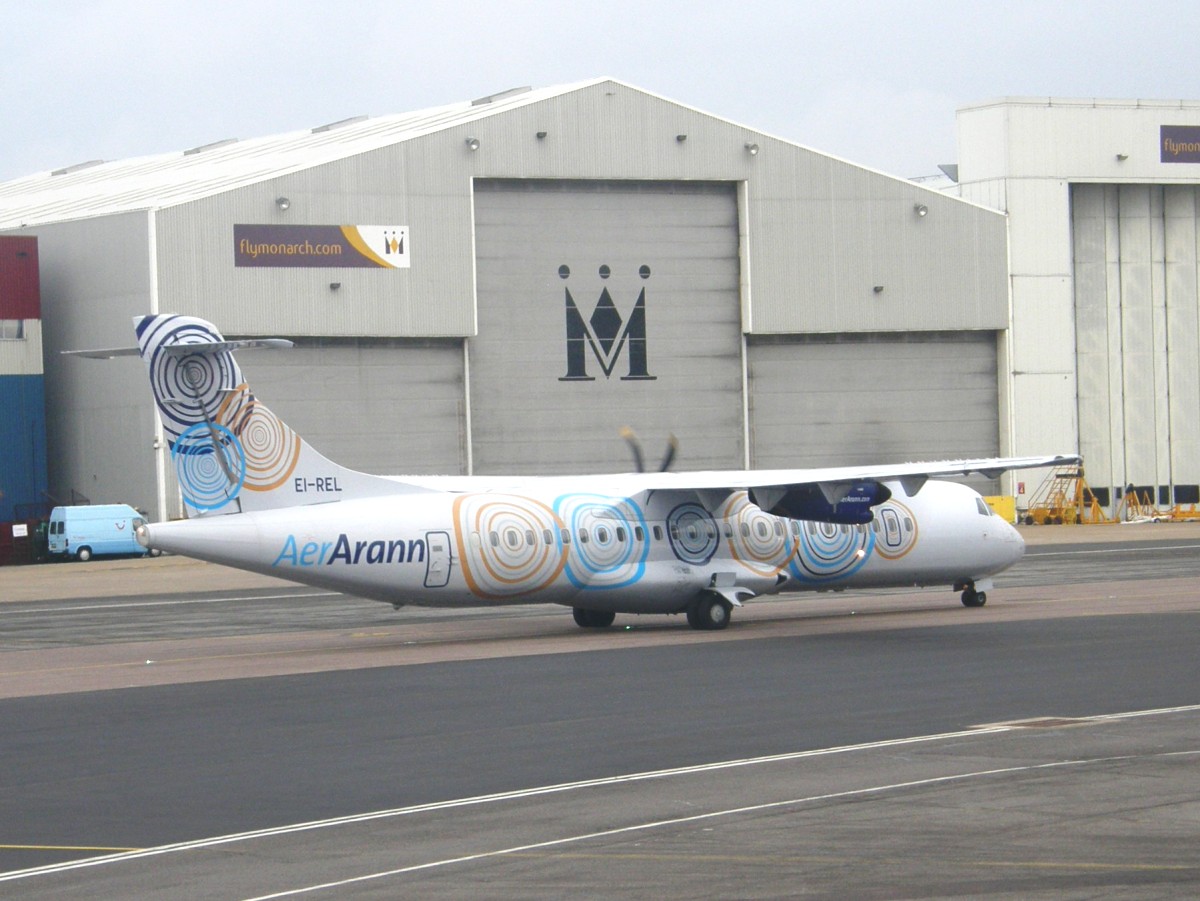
[(547, 536), (495, 539), (778, 529), (621, 534), (583, 536), (692, 532), (639, 533), (601, 535), (658, 535), (529, 539), (566, 537), (728, 529), (908, 524)]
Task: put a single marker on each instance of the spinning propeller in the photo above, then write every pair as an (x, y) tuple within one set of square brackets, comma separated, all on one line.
[(639, 460)]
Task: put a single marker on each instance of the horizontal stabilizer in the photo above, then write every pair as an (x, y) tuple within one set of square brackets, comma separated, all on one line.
[(182, 350)]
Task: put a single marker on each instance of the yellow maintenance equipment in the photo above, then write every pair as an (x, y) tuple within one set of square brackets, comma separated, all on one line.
[(1064, 498)]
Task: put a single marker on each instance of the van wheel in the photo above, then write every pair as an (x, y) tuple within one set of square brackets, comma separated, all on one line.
[(154, 552), (84, 554)]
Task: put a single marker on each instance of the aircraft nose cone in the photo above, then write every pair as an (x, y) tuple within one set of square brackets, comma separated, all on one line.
[(1013, 544)]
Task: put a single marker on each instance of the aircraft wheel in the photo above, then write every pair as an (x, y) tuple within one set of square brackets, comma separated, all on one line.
[(973, 598), (709, 613), (593, 619), (84, 554)]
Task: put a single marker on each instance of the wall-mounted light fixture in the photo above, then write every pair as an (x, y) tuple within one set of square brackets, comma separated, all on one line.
[(921, 210), (541, 136), (283, 203), (680, 138), (1122, 157), (472, 144), (878, 289), (752, 148), (335, 286)]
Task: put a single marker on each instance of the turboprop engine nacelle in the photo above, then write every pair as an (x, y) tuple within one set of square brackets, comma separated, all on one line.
[(844, 504)]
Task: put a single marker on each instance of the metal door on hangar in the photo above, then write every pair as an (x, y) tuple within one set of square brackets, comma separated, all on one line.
[(601, 305)]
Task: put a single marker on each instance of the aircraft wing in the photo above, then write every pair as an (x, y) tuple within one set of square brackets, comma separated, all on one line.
[(834, 494), (830, 494), (914, 474)]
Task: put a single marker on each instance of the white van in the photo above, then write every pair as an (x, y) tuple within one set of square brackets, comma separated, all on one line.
[(95, 530)]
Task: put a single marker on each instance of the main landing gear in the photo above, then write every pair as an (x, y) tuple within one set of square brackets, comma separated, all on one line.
[(971, 597), (593, 619), (709, 611)]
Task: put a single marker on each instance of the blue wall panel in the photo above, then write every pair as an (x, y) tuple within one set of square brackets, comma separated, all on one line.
[(22, 444)]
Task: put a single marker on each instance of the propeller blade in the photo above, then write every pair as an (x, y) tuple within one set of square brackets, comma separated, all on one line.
[(635, 447), (669, 456)]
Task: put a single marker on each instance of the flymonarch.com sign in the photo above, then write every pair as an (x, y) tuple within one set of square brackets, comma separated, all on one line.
[(321, 246), (1179, 143)]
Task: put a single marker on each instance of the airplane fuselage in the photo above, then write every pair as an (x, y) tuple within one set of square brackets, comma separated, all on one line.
[(577, 544)]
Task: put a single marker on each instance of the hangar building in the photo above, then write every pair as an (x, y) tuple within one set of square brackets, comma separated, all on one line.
[(500, 285), (1103, 203)]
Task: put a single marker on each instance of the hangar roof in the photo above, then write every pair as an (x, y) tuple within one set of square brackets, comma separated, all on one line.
[(98, 188)]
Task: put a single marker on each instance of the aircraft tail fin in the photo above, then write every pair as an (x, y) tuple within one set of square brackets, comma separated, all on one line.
[(231, 453)]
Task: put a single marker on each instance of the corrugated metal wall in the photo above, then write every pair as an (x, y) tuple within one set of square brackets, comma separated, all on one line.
[(823, 232), (411, 184), (825, 235), (873, 398), (96, 277), (574, 278), (1137, 325)]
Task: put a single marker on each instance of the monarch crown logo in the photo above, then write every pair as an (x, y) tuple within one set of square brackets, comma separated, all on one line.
[(606, 333)]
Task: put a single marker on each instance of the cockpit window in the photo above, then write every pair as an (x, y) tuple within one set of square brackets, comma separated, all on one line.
[(984, 509)]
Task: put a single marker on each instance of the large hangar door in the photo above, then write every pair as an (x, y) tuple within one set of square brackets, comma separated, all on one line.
[(1137, 338), (880, 398), (605, 304), (389, 407)]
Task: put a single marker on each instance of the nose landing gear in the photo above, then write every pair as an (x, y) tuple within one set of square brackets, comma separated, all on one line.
[(971, 595)]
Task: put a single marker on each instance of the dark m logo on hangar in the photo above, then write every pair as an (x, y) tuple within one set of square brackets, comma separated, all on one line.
[(606, 333)]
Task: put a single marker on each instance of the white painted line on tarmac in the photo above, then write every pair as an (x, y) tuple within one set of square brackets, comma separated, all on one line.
[(711, 815), (560, 788), (184, 603), (1114, 550)]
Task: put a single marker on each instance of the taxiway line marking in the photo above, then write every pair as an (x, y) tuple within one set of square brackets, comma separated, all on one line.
[(711, 815), (559, 788)]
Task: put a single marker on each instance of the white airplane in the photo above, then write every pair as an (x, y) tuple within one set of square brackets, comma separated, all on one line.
[(701, 543)]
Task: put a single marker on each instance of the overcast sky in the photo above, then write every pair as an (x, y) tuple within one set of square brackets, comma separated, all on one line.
[(876, 83)]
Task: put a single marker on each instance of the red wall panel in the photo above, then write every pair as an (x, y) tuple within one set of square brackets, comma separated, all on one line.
[(20, 297)]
